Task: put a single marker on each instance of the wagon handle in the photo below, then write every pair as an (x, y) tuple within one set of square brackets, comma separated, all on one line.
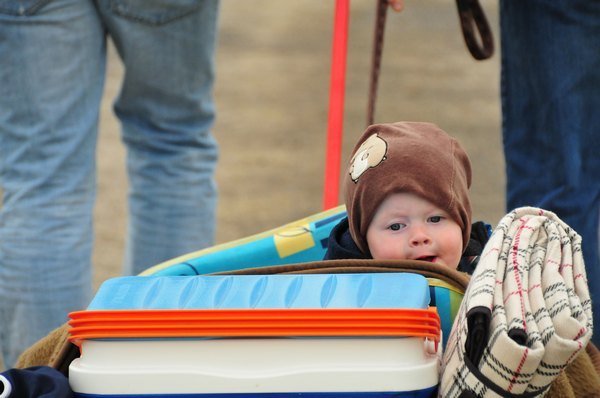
[(336, 105)]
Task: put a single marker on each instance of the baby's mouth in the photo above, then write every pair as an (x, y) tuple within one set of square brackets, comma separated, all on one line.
[(430, 259)]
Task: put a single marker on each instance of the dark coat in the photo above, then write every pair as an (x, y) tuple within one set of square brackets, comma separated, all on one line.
[(35, 382)]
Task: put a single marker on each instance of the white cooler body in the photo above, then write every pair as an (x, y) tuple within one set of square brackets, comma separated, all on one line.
[(247, 367)]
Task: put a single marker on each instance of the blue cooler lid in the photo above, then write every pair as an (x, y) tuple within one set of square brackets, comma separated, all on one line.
[(311, 291)]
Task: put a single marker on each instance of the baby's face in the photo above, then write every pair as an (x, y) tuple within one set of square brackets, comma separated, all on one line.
[(407, 227)]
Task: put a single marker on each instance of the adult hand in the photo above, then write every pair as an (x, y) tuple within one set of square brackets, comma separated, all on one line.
[(397, 5)]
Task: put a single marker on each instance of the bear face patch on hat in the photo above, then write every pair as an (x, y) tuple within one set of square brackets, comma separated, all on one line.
[(369, 154), (411, 157)]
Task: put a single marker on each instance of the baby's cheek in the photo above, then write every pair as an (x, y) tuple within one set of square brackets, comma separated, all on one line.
[(388, 251), (456, 257)]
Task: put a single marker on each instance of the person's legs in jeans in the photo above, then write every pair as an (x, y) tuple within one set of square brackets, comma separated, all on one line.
[(551, 115), (51, 77), (166, 110)]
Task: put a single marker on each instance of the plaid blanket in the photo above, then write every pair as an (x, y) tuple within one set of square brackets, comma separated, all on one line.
[(526, 313)]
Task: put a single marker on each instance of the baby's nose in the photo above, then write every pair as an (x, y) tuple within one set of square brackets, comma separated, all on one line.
[(419, 238)]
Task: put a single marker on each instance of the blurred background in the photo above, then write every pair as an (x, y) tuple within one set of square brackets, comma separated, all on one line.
[(272, 93)]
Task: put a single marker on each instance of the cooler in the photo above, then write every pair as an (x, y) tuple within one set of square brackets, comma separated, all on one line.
[(342, 335)]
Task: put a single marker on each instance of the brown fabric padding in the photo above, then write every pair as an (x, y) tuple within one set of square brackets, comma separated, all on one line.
[(581, 378), (56, 351), (594, 354), (429, 270), (561, 387), (49, 351)]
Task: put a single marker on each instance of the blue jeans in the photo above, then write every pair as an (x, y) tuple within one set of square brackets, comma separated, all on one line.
[(52, 67), (551, 116)]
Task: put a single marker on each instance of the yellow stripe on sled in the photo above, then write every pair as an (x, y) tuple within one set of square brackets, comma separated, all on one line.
[(293, 240), (440, 283)]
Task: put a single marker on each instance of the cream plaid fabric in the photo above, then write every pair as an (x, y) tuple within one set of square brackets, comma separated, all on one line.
[(526, 313)]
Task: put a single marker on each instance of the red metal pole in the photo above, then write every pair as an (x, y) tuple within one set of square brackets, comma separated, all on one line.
[(336, 105)]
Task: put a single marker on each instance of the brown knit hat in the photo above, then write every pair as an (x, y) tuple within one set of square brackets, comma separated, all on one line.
[(413, 157)]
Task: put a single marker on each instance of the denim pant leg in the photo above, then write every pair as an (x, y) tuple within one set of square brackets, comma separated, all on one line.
[(551, 116), (51, 77), (167, 112)]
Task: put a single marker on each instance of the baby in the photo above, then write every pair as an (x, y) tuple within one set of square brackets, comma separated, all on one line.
[(407, 197)]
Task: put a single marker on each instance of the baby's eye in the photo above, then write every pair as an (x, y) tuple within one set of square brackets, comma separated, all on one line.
[(396, 226), (435, 219)]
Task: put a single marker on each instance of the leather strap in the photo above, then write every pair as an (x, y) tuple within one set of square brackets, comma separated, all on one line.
[(380, 17), (472, 21)]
